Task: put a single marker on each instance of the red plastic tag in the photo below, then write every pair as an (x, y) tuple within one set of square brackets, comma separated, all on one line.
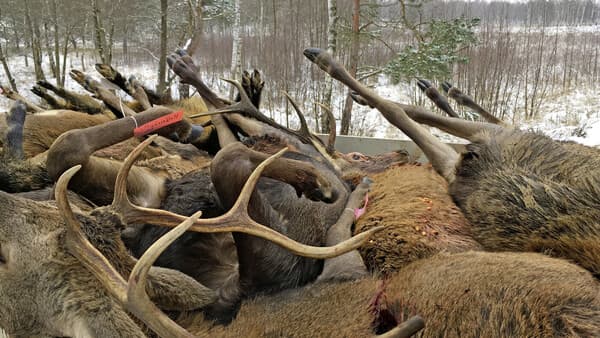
[(158, 123)]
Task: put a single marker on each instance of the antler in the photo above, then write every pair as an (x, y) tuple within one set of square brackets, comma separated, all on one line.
[(80, 247), (304, 132), (406, 329), (332, 129), (235, 220), (131, 295), (139, 302)]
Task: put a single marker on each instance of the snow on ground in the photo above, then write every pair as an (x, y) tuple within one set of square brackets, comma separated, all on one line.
[(573, 115)]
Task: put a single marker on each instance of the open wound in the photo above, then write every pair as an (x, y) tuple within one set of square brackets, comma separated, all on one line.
[(158, 123)]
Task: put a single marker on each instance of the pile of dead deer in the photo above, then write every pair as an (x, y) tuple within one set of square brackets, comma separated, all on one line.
[(225, 223)]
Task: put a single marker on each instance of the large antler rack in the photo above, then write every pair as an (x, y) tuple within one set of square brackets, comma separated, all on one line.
[(129, 294), (132, 294), (235, 220)]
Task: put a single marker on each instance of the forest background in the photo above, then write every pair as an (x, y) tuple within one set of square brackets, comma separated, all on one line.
[(530, 63)]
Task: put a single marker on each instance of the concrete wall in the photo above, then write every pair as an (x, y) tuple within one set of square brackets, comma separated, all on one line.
[(374, 146)]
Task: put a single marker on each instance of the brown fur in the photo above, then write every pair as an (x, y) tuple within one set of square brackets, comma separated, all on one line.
[(421, 220), (18, 176), (44, 289), (526, 192), (472, 294), (40, 130), (522, 191)]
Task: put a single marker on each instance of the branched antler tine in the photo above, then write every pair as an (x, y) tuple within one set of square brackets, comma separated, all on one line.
[(332, 129), (406, 329), (138, 301), (81, 248), (245, 105), (303, 125), (275, 237), (236, 219), (214, 112), (120, 199)]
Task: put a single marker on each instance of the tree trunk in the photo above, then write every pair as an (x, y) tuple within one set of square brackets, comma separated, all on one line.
[(64, 63), (36, 49), (11, 80), (331, 47), (50, 52), (109, 45), (59, 80), (83, 34), (347, 112), (195, 31), (99, 34), (196, 26), (162, 64), (125, 46), (236, 50)]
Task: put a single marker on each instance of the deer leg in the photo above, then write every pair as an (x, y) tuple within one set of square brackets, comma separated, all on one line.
[(10, 94), (16, 174), (53, 102), (183, 65), (132, 86), (467, 101), (15, 119), (138, 93), (98, 175), (79, 102), (257, 85), (239, 162), (112, 75), (253, 86), (116, 105), (349, 265), (468, 130), (434, 95), (442, 156)]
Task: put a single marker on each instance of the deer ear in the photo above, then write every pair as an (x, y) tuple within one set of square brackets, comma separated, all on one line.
[(172, 290)]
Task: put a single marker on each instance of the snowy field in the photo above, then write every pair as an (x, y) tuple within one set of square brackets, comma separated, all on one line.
[(572, 115)]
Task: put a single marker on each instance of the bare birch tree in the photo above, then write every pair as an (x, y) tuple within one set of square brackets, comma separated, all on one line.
[(347, 111), (332, 19), (236, 50), (36, 47), (162, 63)]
